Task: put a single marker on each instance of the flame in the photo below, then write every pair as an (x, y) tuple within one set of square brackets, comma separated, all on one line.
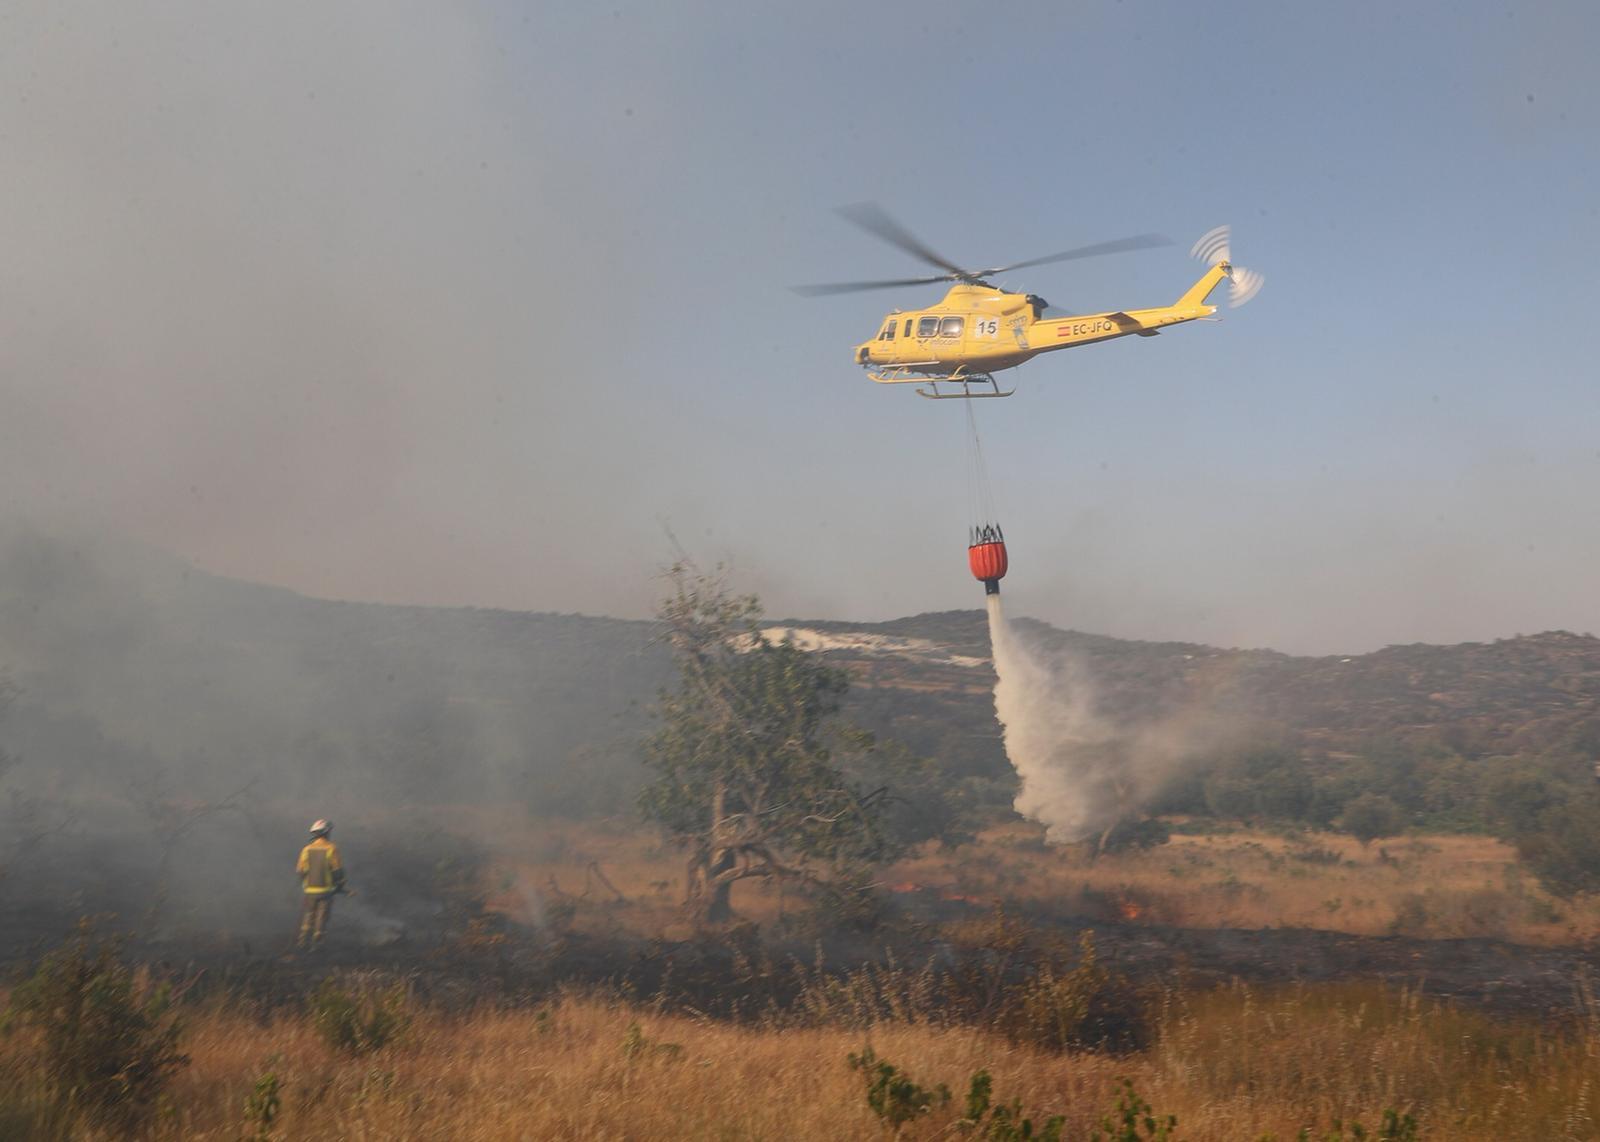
[(1130, 909)]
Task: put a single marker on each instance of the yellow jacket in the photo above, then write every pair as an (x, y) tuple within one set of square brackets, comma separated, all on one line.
[(321, 871)]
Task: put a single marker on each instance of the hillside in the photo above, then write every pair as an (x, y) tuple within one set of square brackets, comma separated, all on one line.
[(222, 678), (924, 680)]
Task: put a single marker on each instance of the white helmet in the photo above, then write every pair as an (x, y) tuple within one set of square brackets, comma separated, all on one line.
[(321, 828)]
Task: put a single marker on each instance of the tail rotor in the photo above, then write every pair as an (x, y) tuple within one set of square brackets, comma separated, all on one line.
[(1213, 248)]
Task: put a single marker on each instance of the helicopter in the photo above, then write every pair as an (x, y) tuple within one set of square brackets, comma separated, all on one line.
[(980, 329)]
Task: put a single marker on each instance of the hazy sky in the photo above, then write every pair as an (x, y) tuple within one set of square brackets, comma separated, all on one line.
[(473, 304)]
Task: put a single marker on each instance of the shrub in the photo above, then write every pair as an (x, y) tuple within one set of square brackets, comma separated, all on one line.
[(263, 1105), (1395, 1127), (1133, 1120), (1370, 816), (1136, 836), (1003, 1122), (359, 1021), (1088, 1008), (108, 1046), (897, 1100), (848, 902), (1411, 916), (892, 1094), (636, 1046), (1317, 856), (1563, 848)]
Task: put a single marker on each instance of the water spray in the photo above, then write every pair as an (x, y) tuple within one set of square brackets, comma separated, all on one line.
[(1052, 737)]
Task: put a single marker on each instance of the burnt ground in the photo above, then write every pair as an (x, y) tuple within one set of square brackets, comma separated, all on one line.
[(739, 976), (1506, 978)]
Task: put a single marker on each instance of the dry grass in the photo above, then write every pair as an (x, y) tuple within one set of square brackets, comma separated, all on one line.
[(1428, 887), (1232, 1065), (1275, 1058)]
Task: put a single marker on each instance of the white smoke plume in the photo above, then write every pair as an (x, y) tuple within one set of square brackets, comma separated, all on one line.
[(1080, 772)]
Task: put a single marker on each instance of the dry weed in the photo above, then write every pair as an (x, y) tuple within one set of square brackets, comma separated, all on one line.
[(1232, 1064)]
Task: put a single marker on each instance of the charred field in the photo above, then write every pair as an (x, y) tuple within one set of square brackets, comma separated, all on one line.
[(596, 905)]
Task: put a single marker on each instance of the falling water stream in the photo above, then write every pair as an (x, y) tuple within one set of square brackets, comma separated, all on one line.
[(1069, 759)]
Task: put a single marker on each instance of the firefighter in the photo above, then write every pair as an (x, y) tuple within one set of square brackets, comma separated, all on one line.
[(321, 879)]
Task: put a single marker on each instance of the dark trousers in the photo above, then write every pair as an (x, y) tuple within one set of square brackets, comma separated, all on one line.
[(314, 913)]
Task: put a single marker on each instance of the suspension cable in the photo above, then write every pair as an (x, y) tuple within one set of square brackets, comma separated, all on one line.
[(981, 508)]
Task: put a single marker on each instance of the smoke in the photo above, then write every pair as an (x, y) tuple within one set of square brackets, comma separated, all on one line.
[(167, 735), (1081, 772)]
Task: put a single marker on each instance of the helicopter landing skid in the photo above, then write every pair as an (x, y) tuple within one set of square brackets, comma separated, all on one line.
[(912, 375), (966, 383)]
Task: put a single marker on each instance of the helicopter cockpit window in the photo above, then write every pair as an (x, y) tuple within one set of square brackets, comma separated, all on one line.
[(907, 332), (888, 332), (927, 327), (950, 327)]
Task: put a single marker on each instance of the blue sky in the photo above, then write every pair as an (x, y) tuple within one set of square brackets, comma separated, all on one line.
[(476, 305)]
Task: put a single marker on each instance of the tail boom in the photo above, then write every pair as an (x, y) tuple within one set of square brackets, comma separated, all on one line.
[(1061, 332), (1196, 296)]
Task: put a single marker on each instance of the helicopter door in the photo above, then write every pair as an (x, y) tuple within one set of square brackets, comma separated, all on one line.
[(952, 335), (887, 339)]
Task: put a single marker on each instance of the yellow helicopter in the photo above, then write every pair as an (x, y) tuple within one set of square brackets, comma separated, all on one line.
[(980, 329)]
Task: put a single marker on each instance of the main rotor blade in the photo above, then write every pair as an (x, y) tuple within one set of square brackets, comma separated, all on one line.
[(876, 221), (1115, 246), (859, 287)]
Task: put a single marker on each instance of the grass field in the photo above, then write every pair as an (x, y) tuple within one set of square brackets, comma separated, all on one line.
[(1232, 1065), (1425, 886)]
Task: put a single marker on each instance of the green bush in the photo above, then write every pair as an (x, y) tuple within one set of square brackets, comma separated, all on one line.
[(1004, 1121), (1563, 847), (897, 1099), (263, 1105), (1395, 1127), (359, 1021), (892, 1094), (1133, 1120), (1370, 816), (108, 1045)]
